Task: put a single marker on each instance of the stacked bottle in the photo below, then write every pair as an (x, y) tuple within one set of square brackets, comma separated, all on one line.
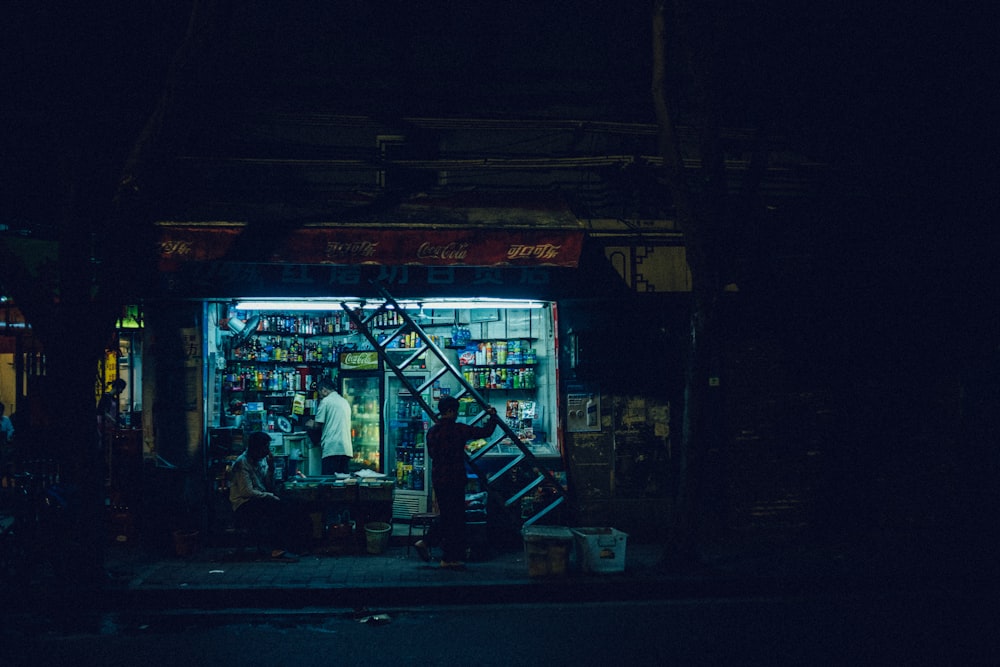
[(501, 378), (241, 378), (306, 325)]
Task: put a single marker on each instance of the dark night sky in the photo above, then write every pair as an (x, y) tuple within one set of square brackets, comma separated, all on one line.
[(896, 96), (832, 73)]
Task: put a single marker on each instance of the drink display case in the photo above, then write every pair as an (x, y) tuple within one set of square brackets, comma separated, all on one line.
[(363, 390), (405, 447)]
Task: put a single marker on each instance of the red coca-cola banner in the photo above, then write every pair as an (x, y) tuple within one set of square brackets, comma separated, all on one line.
[(195, 243), (328, 245)]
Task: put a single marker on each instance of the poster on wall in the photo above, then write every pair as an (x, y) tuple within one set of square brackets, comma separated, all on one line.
[(583, 410)]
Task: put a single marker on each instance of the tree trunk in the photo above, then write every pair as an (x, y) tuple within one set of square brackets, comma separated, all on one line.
[(105, 251), (702, 217)]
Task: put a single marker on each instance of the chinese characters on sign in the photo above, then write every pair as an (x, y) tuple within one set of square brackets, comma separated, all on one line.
[(388, 247), (328, 279)]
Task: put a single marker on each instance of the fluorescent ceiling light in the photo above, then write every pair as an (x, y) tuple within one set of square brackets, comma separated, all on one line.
[(465, 304), (332, 304), (294, 304)]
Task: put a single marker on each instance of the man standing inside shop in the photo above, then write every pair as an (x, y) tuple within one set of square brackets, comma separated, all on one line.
[(333, 418)]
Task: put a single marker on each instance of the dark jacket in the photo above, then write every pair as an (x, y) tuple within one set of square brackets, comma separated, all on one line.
[(446, 447)]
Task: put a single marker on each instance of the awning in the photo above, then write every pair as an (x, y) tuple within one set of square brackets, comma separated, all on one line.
[(180, 243), (471, 229)]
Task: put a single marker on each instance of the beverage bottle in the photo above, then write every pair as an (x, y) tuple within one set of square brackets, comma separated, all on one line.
[(418, 477)]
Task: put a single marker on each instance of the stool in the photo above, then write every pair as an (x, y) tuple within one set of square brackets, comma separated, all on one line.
[(423, 521), (247, 536)]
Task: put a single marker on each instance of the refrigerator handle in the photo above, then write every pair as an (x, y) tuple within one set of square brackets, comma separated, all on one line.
[(384, 433)]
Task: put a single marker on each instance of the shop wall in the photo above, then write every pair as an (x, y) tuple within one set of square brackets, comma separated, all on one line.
[(172, 400), (7, 394), (629, 352)]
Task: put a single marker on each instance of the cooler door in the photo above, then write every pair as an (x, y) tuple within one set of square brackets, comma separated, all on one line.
[(363, 392), (406, 454)]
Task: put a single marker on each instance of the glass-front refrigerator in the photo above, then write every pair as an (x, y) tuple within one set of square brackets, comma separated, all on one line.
[(361, 385), (405, 446)]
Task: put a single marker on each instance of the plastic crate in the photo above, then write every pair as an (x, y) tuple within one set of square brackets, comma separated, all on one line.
[(546, 550), (601, 549)]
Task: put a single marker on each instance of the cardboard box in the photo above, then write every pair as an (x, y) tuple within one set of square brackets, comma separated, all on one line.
[(546, 550)]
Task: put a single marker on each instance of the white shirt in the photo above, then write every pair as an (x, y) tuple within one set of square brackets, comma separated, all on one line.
[(334, 414)]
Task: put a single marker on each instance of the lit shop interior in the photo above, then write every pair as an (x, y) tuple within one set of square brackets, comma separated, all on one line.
[(265, 357)]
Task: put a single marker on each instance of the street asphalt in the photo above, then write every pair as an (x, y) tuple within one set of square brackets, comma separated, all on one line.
[(351, 577)]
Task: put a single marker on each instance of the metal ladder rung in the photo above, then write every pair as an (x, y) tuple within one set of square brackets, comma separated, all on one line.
[(479, 453), (434, 378), (413, 357), (504, 470), (548, 508), (479, 417), (392, 336), (366, 321), (520, 494)]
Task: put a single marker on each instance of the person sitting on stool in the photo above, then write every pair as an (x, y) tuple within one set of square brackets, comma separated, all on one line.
[(253, 502)]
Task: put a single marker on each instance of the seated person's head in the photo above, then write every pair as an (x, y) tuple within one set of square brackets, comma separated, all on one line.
[(259, 445)]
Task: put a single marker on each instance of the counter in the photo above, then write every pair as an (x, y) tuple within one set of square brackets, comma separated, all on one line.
[(365, 501)]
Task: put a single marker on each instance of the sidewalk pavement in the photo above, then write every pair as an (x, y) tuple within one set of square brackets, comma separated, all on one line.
[(226, 578)]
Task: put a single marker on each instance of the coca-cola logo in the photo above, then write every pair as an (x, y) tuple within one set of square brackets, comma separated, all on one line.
[(357, 359), (453, 250), (537, 251)]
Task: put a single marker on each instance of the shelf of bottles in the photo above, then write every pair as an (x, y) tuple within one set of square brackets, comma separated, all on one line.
[(498, 364), (328, 324), (264, 362), (408, 431), (293, 348), (363, 394), (239, 377), (365, 438)]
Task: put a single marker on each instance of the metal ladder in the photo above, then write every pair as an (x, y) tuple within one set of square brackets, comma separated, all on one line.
[(541, 477)]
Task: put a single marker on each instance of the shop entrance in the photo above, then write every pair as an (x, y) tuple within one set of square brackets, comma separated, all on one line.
[(522, 483)]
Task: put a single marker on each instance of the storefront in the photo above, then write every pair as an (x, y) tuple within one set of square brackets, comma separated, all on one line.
[(269, 356), (257, 336)]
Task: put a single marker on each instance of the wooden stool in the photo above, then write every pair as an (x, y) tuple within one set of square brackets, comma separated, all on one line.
[(423, 521)]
